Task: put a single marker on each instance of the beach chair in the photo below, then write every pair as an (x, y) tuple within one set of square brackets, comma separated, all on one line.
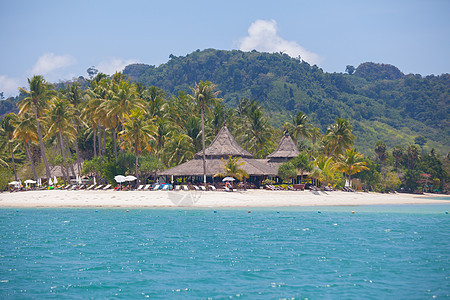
[(146, 187), (196, 187), (106, 187), (73, 187), (165, 187), (90, 187), (178, 188), (156, 187), (98, 187), (140, 187), (185, 187), (212, 188), (203, 188)]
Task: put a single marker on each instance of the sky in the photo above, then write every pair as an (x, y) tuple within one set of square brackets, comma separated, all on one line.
[(62, 39)]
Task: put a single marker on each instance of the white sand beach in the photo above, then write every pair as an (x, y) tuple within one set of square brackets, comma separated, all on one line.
[(216, 199)]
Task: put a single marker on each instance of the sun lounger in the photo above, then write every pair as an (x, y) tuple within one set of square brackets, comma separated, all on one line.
[(98, 187), (178, 188), (156, 187), (106, 187), (140, 187), (203, 188), (213, 188), (146, 187), (165, 187), (90, 187), (196, 187), (73, 187), (185, 188)]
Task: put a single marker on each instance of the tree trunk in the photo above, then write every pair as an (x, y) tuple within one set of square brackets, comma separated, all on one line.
[(203, 145), (30, 158), (99, 136), (115, 143), (61, 145), (94, 135), (41, 145), (69, 155), (77, 151), (12, 158), (137, 166)]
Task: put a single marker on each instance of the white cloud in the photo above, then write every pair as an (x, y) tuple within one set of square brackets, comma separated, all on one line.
[(9, 86), (114, 65), (50, 62), (263, 36)]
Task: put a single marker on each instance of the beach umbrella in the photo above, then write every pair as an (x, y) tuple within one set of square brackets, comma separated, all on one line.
[(39, 183), (228, 179), (50, 182), (29, 181), (130, 178), (120, 178), (14, 183), (55, 181)]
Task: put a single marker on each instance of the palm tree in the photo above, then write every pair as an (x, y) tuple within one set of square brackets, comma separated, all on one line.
[(257, 129), (60, 122), (137, 134), (178, 149), (74, 95), (324, 169), (397, 153), (302, 163), (26, 132), (204, 96), (339, 136), (351, 162), (36, 101), (232, 168), (300, 126), (412, 152), (8, 126)]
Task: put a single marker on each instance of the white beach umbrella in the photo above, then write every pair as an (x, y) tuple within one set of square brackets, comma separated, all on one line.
[(29, 181), (228, 179), (50, 182), (95, 181), (14, 183), (120, 178), (130, 178), (55, 181), (39, 183)]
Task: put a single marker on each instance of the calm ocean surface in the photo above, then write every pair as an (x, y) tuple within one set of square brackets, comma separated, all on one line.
[(379, 252)]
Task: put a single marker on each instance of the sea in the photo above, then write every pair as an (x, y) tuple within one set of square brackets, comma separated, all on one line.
[(347, 252)]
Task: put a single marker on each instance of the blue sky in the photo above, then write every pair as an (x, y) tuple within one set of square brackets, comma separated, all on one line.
[(61, 39)]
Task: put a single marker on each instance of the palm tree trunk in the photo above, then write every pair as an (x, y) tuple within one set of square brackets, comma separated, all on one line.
[(94, 135), (12, 158), (203, 145), (99, 136), (41, 145), (77, 150), (69, 155), (30, 158), (115, 143), (61, 144), (137, 166)]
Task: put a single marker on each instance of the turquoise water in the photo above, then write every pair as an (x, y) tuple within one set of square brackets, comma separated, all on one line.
[(379, 252)]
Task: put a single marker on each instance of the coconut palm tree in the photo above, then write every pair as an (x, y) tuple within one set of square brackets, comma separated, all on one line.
[(137, 134), (339, 136), (257, 129), (351, 162), (8, 125), (204, 96), (36, 102), (59, 119), (232, 168), (300, 126), (26, 132), (324, 169), (397, 153), (302, 163), (178, 149)]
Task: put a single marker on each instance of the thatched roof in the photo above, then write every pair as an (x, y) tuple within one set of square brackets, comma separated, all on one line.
[(286, 149), (224, 145), (255, 167)]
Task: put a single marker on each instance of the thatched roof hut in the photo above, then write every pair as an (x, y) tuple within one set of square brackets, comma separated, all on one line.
[(286, 150), (224, 145)]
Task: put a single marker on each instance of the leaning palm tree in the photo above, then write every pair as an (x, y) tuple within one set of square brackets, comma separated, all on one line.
[(351, 162), (232, 168), (137, 133), (26, 132), (36, 102), (339, 136), (204, 97), (8, 125)]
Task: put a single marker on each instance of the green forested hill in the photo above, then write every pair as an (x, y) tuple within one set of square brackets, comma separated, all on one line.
[(380, 101)]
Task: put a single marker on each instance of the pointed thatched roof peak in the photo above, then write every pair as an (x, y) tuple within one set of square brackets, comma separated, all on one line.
[(286, 149), (224, 145)]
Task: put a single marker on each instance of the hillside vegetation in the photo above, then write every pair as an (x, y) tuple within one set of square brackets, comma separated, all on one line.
[(380, 101)]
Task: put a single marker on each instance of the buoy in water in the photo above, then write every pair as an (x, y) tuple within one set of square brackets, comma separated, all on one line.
[(278, 212), (215, 211), (319, 212), (127, 210), (446, 212), (353, 212), (249, 211)]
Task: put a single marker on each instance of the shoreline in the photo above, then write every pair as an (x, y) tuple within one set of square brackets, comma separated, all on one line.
[(208, 199)]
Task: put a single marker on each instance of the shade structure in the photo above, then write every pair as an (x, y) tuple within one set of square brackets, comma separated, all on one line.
[(14, 183), (29, 181), (130, 178), (120, 178), (228, 179)]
